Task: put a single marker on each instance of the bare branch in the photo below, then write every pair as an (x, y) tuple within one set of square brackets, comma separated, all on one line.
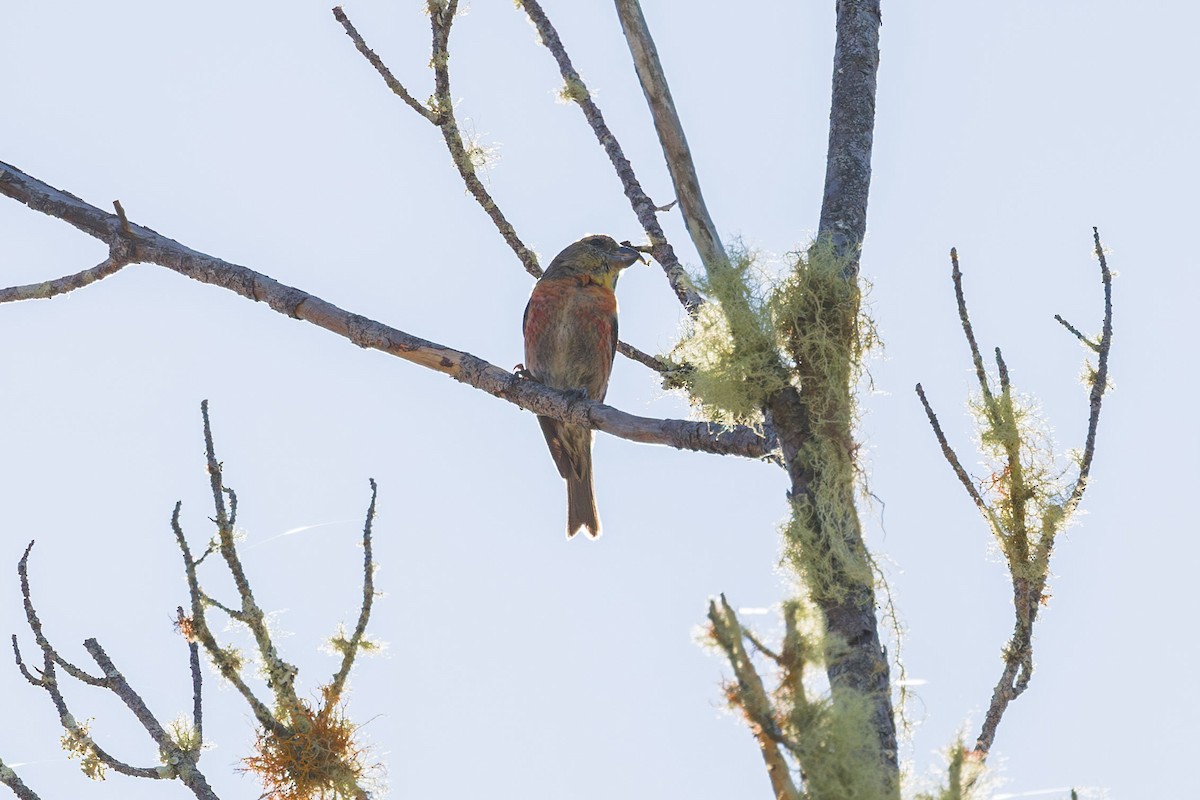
[(952, 459), (1099, 381), (154, 248), (95, 758), (643, 207), (442, 115), (1077, 333), (181, 763), (281, 675), (196, 627), (350, 646), (197, 678), (14, 782), (396, 86), (751, 697), (851, 127), (68, 283), (671, 136), (969, 330), (460, 154)]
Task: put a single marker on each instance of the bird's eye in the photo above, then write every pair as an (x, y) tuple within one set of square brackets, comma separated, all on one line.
[(595, 241)]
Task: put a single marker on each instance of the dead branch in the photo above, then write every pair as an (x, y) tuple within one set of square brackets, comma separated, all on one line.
[(148, 246), (179, 763), (653, 79), (647, 213), (750, 695), (14, 782), (1025, 514), (441, 114), (851, 127)]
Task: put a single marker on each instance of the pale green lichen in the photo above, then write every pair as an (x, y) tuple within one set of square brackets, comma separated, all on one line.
[(965, 777), (77, 742), (573, 90)]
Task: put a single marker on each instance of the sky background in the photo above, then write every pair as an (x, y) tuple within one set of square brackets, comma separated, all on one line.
[(520, 664)]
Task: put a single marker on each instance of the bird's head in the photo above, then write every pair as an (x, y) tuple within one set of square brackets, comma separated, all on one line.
[(598, 258)]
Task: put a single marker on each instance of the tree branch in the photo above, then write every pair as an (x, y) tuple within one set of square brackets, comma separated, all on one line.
[(670, 135), (750, 695), (851, 127), (645, 209), (1099, 381), (151, 247), (462, 155), (14, 782), (350, 647)]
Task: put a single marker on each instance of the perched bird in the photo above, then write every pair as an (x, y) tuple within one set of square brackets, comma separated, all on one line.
[(570, 338)]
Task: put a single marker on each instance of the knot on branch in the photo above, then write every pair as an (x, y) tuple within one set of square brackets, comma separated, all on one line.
[(287, 300), (358, 330)]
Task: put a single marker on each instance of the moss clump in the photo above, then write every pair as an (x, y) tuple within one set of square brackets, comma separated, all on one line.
[(77, 742), (317, 758), (573, 90), (728, 356), (818, 312)]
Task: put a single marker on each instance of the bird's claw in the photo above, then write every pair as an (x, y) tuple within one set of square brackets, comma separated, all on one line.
[(522, 373)]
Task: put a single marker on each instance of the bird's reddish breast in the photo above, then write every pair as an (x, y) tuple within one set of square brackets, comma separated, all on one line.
[(569, 334)]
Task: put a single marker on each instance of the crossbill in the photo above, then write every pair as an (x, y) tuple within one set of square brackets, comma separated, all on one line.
[(570, 330)]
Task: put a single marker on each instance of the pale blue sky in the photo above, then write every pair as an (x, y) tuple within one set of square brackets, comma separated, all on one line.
[(521, 665)]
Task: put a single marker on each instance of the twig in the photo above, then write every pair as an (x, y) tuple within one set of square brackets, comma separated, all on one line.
[(351, 645), (180, 762), (114, 682), (68, 283), (447, 123), (14, 782), (463, 367), (1099, 381), (969, 330), (396, 86), (671, 136), (200, 630), (1077, 333), (197, 678), (442, 115), (643, 207), (751, 696), (952, 459), (281, 675)]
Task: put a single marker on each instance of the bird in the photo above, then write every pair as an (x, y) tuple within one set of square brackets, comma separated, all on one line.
[(570, 328)]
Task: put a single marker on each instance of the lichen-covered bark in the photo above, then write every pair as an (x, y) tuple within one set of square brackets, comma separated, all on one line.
[(850, 615)]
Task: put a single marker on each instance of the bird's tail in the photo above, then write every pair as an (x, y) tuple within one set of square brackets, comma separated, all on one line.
[(581, 501)]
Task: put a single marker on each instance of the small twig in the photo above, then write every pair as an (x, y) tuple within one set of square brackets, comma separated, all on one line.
[(1099, 381), (334, 692), (446, 121), (396, 86), (1078, 334), (751, 696), (14, 782), (197, 679), (952, 458), (48, 681), (643, 207), (182, 763), (281, 675), (121, 216), (68, 283), (969, 330), (203, 633)]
